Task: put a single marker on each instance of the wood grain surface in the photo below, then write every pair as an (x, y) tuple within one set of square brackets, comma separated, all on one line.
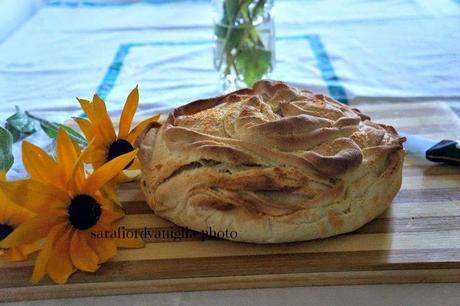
[(416, 240)]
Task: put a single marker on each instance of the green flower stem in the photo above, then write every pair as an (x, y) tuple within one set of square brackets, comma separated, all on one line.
[(243, 48), (51, 129)]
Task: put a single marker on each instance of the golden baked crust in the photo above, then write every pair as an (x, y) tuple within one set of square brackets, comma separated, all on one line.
[(273, 163)]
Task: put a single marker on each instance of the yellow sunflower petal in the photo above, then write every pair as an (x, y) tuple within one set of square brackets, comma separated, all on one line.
[(3, 212), (105, 248), (110, 196), (96, 154), (111, 216), (103, 120), (136, 165), (30, 248), (141, 126), (88, 109), (85, 127), (127, 176), (21, 252), (83, 257), (60, 266), (2, 175), (129, 243), (14, 214), (108, 171), (78, 176), (33, 229), (40, 165), (66, 153), (34, 195), (44, 255), (14, 254), (128, 112), (103, 225)]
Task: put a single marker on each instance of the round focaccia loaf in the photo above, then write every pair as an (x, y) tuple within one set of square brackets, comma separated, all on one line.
[(271, 163)]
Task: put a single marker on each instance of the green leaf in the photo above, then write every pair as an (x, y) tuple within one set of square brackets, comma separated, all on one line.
[(231, 8), (244, 10), (20, 125), (220, 31), (74, 134), (6, 154), (258, 8), (230, 30), (51, 129), (232, 36), (253, 63), (253, 36)]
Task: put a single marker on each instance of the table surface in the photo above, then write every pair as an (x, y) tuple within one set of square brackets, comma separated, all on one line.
[(410, 225), (415, 240), (376, 51)]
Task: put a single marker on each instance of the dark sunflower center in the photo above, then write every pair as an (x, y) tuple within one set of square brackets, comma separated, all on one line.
[(119, 147), (5, 230), (84, 211)]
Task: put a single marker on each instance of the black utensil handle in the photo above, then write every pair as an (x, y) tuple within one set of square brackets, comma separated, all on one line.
[(446, 151)]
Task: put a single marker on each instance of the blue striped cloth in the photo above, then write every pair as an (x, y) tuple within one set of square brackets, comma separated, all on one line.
[(355, 50)]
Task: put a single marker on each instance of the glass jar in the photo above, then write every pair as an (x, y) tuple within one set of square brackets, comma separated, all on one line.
[(244, 36)]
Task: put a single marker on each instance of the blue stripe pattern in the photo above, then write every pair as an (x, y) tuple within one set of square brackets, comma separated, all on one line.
[(112, 73), (335, 88), (74, 4), (88, 3)]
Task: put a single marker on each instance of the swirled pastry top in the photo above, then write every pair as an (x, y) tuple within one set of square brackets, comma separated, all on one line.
[(271, 151)]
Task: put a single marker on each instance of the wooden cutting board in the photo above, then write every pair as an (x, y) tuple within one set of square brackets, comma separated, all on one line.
[(416, 240)]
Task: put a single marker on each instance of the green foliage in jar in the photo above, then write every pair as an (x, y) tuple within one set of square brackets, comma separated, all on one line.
[(243, 50)]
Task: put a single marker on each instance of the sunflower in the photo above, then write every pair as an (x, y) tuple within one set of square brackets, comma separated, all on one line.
[(11, 216), (98, 128), (69, 207)]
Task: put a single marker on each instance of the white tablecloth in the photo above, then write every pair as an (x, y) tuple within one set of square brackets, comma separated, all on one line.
[(356, 50), (359, 50)]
